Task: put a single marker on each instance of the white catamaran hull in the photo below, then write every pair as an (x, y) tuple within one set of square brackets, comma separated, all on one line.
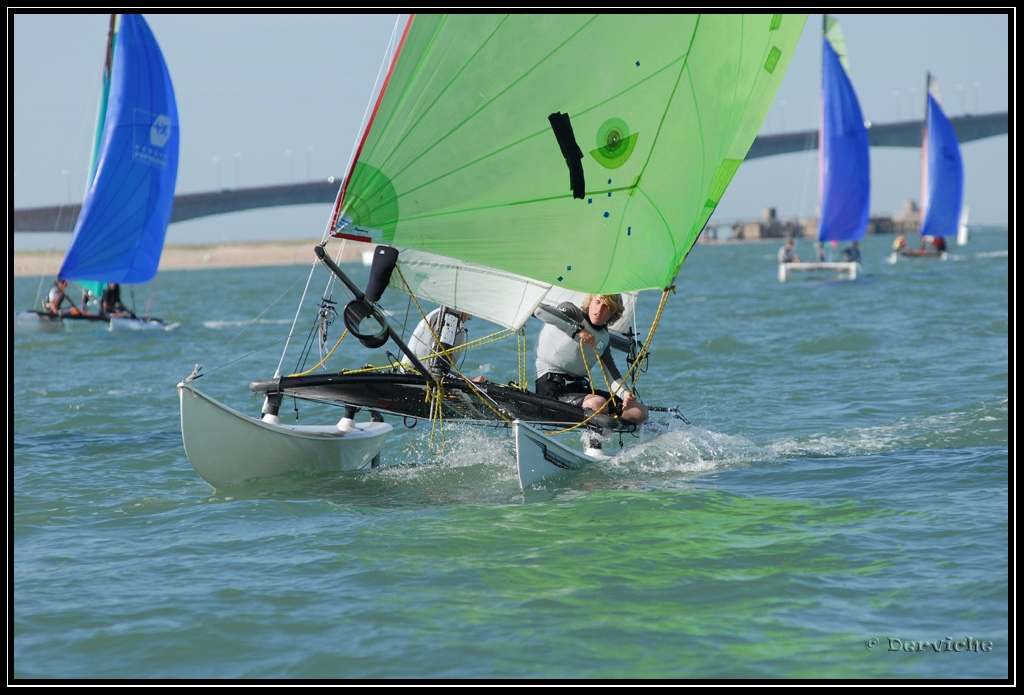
[(126, 323), (226, 447), (41, 322), (36, 322), (540, 457), (849, 268), (896, 257)]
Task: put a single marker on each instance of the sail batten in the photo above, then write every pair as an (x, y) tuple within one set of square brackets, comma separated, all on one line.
[(460, 159)]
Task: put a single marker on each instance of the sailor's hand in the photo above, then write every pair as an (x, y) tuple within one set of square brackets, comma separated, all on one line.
[(628, 400), (587, 337)]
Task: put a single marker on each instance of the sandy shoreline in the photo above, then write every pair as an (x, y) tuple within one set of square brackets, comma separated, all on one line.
[(232, 255), (227, 255)]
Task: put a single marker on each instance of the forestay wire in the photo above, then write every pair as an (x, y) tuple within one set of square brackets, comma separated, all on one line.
[(385, 61)]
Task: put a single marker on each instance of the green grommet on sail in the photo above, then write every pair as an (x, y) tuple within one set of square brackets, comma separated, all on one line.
[(614, 144)]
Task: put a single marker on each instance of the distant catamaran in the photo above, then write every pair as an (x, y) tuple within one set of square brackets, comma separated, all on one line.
[(844, 160), (120, 231), (942, 182)]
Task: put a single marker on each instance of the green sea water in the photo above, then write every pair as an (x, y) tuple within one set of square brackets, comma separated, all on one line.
[(837, 508)]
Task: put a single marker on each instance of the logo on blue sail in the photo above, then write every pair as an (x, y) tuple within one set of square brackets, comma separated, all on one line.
[(160, 131), (151, 133)]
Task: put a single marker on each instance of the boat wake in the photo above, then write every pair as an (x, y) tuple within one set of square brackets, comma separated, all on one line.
[(238, 324)]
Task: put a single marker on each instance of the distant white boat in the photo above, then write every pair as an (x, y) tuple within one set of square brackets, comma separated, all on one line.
[(963, 232)]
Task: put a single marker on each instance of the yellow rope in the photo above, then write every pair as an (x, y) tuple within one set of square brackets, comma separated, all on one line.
[(438, 397), (591, 381), (318, 364), (521, 349), (642, 355), (634, 367)]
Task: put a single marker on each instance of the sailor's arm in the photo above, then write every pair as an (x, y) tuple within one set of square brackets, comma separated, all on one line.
[(566, 317)]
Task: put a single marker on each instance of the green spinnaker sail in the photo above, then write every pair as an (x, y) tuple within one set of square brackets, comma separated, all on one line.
[(584, 151)]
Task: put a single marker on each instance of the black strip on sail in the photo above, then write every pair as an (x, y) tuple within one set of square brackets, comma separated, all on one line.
[(571, 151)]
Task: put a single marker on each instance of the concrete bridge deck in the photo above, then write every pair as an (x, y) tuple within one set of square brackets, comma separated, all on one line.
[(189, 206)]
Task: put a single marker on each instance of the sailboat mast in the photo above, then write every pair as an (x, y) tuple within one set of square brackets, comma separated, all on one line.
[(924, 148), (110, 47), (101, 111)]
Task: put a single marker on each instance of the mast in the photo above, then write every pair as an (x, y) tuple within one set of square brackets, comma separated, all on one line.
[(924, 149)]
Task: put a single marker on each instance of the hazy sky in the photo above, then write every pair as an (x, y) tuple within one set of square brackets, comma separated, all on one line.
[(265, 99)]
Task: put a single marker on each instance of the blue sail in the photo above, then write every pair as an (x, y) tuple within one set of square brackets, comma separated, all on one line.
[(943, 190), (120, 232), (845, 165)]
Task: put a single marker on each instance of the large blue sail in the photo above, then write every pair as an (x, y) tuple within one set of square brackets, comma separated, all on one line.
[(943, 190), (120, 232), (845, 165)]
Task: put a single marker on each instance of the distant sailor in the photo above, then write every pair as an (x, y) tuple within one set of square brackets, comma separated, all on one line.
[(787, 254), (900, 244), (572, 341), (111, 303), (56, 296), (852, 254)]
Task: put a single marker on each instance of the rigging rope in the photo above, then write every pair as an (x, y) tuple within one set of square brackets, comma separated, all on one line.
[(436, 396), (633, 370)]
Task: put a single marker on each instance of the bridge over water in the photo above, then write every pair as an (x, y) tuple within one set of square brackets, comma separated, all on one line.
[(190, 206)]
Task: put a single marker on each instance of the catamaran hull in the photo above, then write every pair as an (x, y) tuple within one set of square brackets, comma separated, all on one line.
[(848, 268), (226, 447), (539, 457), (44, 322), (895, 257), (37, 322)]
